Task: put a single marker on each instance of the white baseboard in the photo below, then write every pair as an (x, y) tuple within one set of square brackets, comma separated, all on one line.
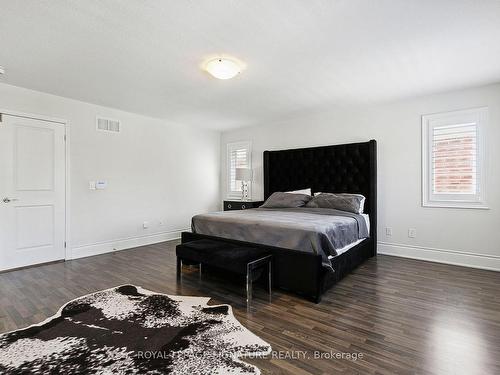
[(121, 244), (458, 258)]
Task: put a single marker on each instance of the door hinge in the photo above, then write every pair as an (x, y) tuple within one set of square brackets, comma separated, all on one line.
[(65, 244), (64, 137)]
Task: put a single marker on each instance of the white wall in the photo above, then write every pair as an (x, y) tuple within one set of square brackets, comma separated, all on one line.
[(459, 236), (156, 171)]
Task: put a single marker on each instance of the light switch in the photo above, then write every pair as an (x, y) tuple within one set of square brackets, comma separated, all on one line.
[(92, 185), (101, 185)]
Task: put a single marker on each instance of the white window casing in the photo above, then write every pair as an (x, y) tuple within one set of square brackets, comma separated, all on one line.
[(453, 159)]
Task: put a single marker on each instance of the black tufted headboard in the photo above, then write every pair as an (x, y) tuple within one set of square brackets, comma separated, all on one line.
[(347, 168)]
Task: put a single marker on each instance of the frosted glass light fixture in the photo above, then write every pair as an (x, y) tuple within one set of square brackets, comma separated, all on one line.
[(223, 67)]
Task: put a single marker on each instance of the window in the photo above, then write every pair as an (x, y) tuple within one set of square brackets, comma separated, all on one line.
[(239, 155), (453, 159)]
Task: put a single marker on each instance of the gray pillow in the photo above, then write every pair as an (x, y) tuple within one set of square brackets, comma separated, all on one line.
[(286, 200), (345, 202)]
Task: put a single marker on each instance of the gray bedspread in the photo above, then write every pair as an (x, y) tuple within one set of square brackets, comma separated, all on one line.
[(314, 230)]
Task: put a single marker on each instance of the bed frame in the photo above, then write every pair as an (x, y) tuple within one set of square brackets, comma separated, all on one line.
[(345, 168)]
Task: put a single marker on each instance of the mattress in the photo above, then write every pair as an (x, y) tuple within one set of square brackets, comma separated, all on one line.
[(366, 217), (323, 231), (346, 248)]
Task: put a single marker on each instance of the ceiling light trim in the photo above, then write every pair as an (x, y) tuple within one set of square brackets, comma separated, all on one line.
[(223, 67)]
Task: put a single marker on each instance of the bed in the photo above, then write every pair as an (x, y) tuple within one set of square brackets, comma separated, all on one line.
[(309, 255), (324, 231)]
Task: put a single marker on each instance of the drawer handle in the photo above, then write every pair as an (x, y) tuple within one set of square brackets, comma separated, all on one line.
[(229, 205), (243, 206)]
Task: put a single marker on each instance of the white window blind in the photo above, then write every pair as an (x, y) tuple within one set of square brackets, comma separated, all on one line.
[(453, 159), (238, 156)]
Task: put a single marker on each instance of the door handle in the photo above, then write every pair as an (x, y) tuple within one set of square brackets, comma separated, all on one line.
[(8, 200)]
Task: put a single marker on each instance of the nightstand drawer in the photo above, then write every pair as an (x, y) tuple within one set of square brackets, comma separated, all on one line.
[(241, 205)]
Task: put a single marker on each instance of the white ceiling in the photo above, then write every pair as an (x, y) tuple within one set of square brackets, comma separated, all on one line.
[(302, 55)]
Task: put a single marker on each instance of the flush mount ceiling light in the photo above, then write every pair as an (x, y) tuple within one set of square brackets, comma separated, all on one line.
[(223, 67)]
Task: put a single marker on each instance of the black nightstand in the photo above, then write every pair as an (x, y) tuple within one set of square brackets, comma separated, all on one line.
[(241, 205)]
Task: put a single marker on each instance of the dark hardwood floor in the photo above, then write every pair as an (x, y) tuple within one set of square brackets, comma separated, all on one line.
[(405, 316)]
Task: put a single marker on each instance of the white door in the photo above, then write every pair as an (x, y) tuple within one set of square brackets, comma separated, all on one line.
[(32, 191)]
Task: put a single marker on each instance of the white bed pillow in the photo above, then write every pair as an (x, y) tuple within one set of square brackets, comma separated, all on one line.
[(303, 191)]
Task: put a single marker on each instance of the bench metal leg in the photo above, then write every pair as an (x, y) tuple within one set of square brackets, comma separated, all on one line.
[(270, 277), (179, 268), (249, 284), (250, 268)]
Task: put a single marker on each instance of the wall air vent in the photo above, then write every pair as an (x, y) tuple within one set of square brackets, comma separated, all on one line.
[(108, 124)]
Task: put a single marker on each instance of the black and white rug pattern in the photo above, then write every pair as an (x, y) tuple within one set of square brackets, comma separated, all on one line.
[(131, 330)]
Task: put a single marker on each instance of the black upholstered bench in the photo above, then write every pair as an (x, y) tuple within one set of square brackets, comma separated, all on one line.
[(242, 260)]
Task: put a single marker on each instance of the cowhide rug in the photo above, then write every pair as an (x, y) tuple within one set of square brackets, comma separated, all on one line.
[(130, 330)]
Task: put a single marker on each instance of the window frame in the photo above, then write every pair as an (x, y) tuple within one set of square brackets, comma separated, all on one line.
[(478, 116), (232, 194)]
